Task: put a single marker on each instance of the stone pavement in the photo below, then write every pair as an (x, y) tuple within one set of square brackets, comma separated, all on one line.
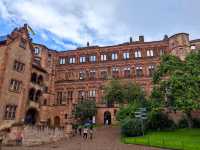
[(105, 139)]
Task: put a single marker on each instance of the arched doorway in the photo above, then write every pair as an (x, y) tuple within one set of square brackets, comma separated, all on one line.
[(57, 121), (107, 116), (31, 116)]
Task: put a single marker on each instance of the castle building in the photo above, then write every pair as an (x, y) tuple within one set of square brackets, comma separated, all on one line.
[(42, 86)]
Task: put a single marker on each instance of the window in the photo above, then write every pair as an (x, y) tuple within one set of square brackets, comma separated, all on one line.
[(10, 111), (18, 66), (22, 43), (15, 85), (104, 75), (162, 52), (139, 72), (114, 56), (103, 57), (126, 55), (81, 95), (60, 98), (138, 54), (92, 58), (150, 53), (81, 75), (82, 59), (62, 61), (37, 50), (127, 72), (69, 96), (49, 57), (72, 60), (92, 93), (151, 69), (92, 74), (115, 72)]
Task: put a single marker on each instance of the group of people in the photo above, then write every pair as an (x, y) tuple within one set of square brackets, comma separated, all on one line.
[(86, 131)]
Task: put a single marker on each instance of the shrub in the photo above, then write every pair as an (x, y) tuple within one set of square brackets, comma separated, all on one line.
[(160, 121), (132, 127), (183, 123), (196, 122)]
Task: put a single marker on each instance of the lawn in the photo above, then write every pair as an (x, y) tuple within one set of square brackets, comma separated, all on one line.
[(183, 139)]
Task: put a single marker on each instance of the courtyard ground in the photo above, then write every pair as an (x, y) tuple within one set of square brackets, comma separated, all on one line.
[(105, 139)]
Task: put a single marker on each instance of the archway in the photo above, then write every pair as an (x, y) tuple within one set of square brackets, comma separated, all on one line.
[(34, 77), (107, 116), (31, 116), (57, 121)]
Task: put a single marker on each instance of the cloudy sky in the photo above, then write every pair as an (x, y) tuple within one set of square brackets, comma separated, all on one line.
[(67, 24)]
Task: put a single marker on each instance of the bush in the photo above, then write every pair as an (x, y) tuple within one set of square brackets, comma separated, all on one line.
[(132, 127), (196, 123), (183, 123), (160, 121)]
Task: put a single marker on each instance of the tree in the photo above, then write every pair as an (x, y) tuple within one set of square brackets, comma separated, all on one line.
[(114, 92), (85, 109), (179, 82), (133, 93)]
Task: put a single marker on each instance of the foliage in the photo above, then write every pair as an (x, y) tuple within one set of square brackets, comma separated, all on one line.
[(160, 121), (131, 127), (179, 82), (133, 93), (183, 123), (85, 109), (187, 139), (196, 123), (114, 92), (127, 111)]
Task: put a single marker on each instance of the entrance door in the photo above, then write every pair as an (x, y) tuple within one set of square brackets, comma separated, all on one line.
[(57, 122), (107, 116), (31, 116)]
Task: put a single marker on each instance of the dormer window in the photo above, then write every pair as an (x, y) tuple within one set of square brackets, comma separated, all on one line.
[(93, 58), (126, 55), (114, 56), (37, 50), (138, 54), (72, 60), (62, 61), (150, 53)]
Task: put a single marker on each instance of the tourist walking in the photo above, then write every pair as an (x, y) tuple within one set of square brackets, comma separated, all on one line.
[(85, 132), (91, 132), (80, 130), (106, 123)]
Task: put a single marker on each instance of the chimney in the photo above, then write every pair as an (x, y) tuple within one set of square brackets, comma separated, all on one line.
[(141, 38), (88, 44), (131, 40), (165, 37)]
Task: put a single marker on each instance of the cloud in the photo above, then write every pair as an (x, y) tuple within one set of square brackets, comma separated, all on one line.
[(102, 22)]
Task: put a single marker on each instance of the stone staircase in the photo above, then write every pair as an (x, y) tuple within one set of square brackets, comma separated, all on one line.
[(37, 136)]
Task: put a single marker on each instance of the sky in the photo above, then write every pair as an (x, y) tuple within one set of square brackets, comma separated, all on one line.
[(68, 24)]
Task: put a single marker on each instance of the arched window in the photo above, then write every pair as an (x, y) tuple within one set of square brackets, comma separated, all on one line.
[(32, 94), (34, 77), (38, 94), (40, 80)]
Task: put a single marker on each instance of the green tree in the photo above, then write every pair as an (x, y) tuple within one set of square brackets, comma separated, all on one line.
[(114, 92), (85, 109), (179, 82), (134, 93)]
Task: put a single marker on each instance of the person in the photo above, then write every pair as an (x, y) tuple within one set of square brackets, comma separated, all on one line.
[(80, 130), (106, 123), (19, 138), (85, 132), (91, 132)]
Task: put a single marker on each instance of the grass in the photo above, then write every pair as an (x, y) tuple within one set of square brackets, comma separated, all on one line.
[(182, 139)]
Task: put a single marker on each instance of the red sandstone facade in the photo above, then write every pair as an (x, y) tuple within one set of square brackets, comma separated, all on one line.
[(50, 83)]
